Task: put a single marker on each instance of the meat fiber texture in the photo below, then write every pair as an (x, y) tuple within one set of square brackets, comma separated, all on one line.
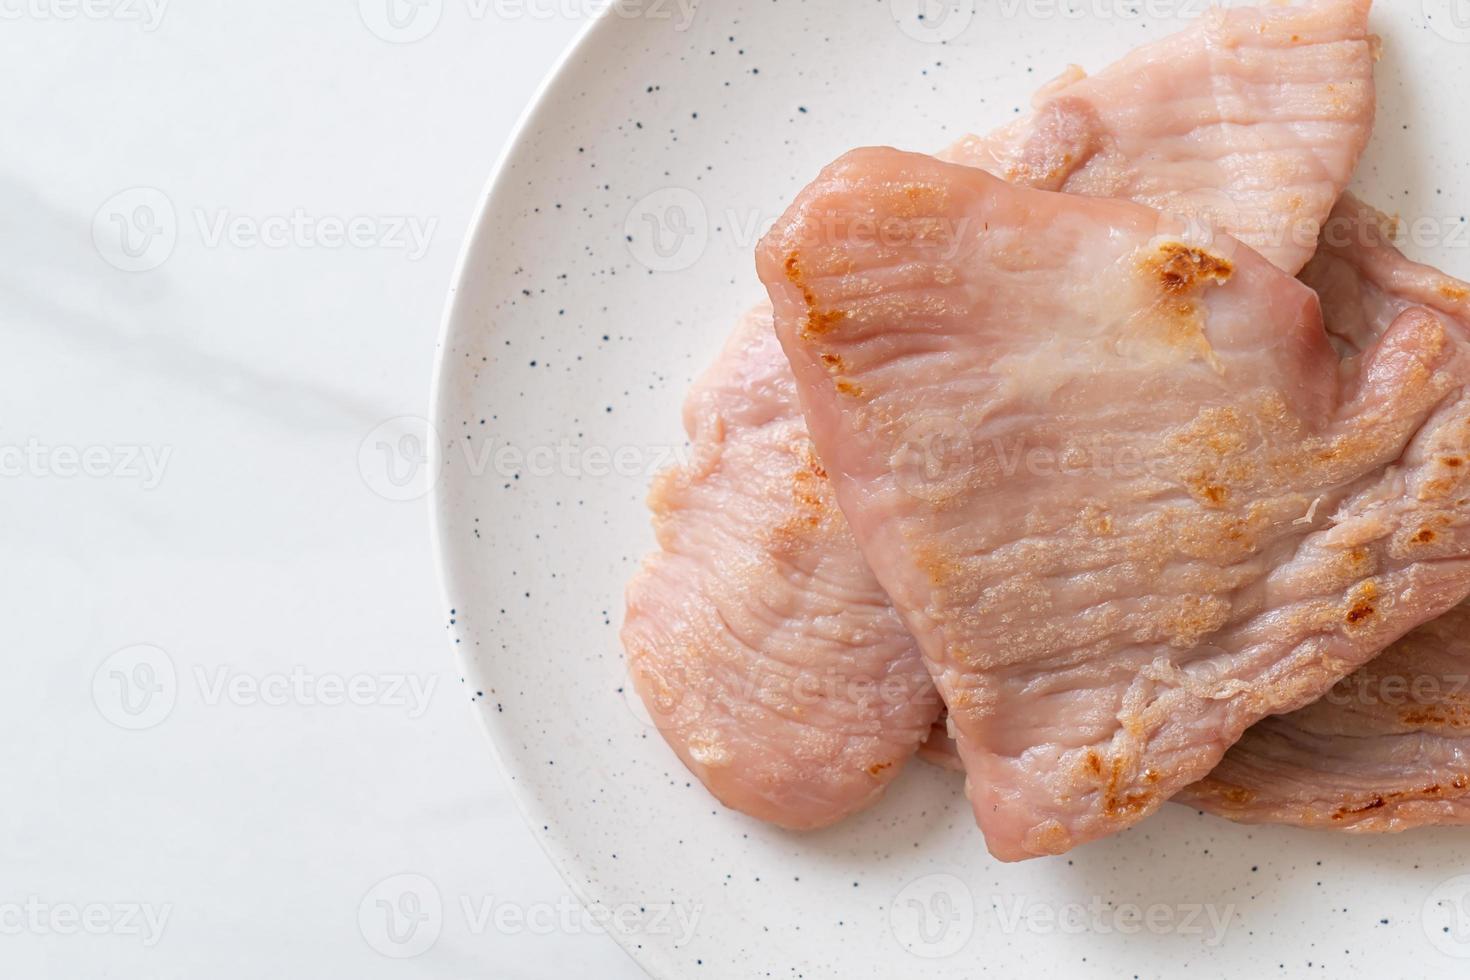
[(1251, 121), (1116, 482), (1387, 748), (765, 651), (756, 636)]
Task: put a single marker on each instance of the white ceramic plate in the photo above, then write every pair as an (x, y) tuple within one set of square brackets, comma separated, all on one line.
[(611, 256)]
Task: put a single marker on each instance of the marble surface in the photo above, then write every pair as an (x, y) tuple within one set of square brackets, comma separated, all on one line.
[(231, 711)]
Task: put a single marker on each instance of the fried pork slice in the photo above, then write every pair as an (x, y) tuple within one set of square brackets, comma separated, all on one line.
[(765, 651), (1388, 748), (1251, 120), (684, 636), (1116, 483)]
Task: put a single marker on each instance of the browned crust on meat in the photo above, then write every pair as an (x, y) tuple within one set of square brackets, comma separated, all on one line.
[(818, 322), (1237, 795), (1181, 268), (1174, 274), (1362, 605), (1434, 791), (810, 491), (1116, 804)]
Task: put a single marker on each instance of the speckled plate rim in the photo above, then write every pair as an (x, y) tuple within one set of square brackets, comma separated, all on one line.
[(457, 321)]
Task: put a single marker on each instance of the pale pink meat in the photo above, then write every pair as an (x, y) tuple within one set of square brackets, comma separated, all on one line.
[(1252, 120), (687, 631), (763, 648), (1114, 481), (1388, 748)]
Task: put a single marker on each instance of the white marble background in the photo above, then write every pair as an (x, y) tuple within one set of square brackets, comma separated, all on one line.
[(228, 707)]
